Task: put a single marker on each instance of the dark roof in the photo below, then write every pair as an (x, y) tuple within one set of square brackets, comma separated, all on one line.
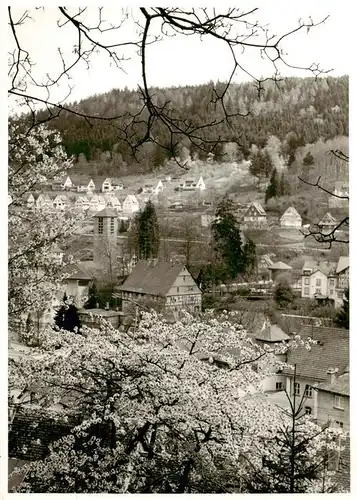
[(152, 278), (340, 386), (107, 212), (331, 351)]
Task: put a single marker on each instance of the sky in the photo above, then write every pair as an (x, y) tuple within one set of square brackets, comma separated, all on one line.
[(185, 60)]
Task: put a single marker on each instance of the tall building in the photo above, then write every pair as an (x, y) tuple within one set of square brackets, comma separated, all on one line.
[(105, 246)]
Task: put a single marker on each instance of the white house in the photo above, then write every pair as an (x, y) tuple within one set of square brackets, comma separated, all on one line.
[(291, 218), (130, 205), (82, 203), (67, 183), (60, 202), (112, 201), (200, 184), (117, 185), (86, 186), (43, 201), (30, 202), (106, 185)]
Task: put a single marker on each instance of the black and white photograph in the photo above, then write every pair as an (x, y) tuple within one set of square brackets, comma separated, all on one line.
[(178, 248)]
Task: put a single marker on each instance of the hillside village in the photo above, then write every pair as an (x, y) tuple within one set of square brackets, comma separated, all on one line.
[(178, 292)]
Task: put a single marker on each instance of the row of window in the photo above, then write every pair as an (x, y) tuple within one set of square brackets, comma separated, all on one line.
[(319, 282), (337, 401), (101, 225)]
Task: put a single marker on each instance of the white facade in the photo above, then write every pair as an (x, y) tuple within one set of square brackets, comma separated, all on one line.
[(200, 184), (291, 219), (30, 201), (130, 205), (67, 184), (314, 283), (60, 202), (106, 185)]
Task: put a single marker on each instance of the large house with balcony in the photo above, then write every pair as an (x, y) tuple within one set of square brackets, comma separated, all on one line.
[(163, 286), (255, 216)]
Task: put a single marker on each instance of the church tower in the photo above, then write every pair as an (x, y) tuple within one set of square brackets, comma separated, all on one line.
[(105, 241)]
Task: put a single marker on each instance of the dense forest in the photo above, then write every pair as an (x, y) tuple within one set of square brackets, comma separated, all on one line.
[(298, 111)]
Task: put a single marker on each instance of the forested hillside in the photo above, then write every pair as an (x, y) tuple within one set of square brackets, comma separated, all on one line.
[(298, 111)]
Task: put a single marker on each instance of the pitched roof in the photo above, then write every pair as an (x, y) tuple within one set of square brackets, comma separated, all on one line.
[(152, 278), (342, 264), (106, 212), (325, 267), (291, 212), (258, 207), (327, 219), (332, 350), (280, 266), (271, 333), (341, 385), (77, 272)]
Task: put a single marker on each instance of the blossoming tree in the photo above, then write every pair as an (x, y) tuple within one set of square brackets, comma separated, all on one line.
[(35, 158), (181, 405)]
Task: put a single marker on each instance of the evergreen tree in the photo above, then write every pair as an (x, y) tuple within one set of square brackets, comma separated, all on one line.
[(227, 238), (283, 294), (66, 317), (249, 256), (60, 314), (343, 315), (273, 187), (308, 159), (149, 233)]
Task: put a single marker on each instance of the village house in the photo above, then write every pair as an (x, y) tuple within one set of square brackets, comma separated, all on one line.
[(76, 283), (325, 280), (263, 264), (327, 223), (30, 201), (85, 185), (43, 201), (333, 399), (112, 201), (81, 203), (278, 268), (272, 334), (130, 205), (66, 183), (291, 218), (255, 216), (341, 190), (117, 185), (312, 366), (61, 202), (192, 185), (315, 276), (166, 286)]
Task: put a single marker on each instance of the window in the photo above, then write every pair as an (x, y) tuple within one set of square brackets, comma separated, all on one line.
[(306, 281), (340, 294), (184, 278), (308, 391), (306, 291), (318, 281), (332, 283), (331, 291), (297, 388), (178, 289), (112, 222), (339, 424), (278, 386), (318, 290), (338, 403), (100, 225), (308, 410)]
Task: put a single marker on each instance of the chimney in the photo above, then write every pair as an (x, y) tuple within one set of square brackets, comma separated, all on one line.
[(331, 375)]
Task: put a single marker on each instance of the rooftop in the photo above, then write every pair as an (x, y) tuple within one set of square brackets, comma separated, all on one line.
[(152, 278), (341, 385), (332, 349)]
